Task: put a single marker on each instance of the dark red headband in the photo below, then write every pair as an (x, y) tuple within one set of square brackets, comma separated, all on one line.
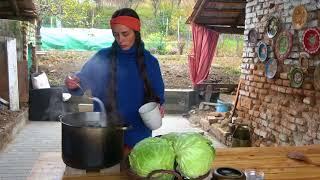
[(128, 21)]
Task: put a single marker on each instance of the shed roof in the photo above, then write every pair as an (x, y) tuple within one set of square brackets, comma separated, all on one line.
[(17, 9), (224, 16)]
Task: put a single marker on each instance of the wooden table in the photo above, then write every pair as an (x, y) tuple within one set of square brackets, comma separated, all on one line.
[(272, 161)]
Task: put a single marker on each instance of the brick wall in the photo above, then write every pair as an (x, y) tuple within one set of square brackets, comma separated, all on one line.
[(279, 114)]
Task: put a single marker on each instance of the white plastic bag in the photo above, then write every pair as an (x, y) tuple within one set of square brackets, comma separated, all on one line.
[(40, 81)]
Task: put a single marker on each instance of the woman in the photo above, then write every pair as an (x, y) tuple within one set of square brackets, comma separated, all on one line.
[(124, 76)]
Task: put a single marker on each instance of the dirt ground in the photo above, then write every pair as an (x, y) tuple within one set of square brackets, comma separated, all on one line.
[(58, 65), (174, 69)]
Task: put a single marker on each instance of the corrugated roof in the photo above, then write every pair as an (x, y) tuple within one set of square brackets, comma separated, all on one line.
[(18, 9), (224, 16)]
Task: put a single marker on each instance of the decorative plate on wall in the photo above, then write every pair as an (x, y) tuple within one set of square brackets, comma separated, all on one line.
[(283, 45), (273, 26), (262, 51), (271, 68), (299, 17), (253, 36), (316, 81), (296, 77), (311, 40)]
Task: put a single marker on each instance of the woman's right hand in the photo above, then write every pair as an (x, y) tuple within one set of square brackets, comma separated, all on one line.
[(72, 82)]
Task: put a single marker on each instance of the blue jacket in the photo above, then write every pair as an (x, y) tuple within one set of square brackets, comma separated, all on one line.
[(130, 86)]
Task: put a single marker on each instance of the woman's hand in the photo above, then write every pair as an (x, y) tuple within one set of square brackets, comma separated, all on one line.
[(161, 108), (72, 82)]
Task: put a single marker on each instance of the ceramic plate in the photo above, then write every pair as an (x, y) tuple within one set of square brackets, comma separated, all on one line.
[(311, 40), (262, 51), (283, 45), (299, 17), (273, 26), (271, 68), (296, 77), (316, 82), (304, 61), (253, 36)]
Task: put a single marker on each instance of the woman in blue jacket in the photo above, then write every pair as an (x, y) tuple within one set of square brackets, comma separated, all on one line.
[(124, 76)]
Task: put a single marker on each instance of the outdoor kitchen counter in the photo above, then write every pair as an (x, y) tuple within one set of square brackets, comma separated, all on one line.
[(272, 161)]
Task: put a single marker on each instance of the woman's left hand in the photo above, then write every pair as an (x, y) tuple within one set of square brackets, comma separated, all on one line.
[(161, 108)]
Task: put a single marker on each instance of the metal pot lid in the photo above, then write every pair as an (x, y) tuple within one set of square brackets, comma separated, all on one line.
[(283, 45), (311, 40), (299, 17), (271, 68), (273, 26), (316, 81), (262, 51), (253, 36), (296, 77)]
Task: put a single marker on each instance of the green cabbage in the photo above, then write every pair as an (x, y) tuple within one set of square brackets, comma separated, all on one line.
[(171, 136), (152, 154), (194, 154)]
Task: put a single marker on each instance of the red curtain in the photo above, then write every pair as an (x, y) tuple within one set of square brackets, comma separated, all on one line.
[(204, 46)]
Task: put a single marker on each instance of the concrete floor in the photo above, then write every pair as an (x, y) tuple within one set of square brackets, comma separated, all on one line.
[(18, 158)]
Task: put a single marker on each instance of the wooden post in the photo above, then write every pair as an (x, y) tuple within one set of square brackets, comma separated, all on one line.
[(11, 48)]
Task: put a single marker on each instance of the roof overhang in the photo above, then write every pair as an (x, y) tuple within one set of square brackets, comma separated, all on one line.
[(224, 16), (18, 9)]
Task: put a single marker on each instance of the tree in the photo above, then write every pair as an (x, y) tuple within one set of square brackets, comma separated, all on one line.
[(119, 3)]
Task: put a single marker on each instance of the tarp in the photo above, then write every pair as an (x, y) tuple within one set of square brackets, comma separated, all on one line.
[(75, 38)]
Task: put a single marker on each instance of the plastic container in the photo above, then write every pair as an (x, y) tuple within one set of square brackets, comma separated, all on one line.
[(222, 106)]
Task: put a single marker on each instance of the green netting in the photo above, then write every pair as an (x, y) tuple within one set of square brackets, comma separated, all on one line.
[(75, 39)]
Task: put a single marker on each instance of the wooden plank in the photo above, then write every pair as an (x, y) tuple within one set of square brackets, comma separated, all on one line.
[(213, 12), (11, 48), (217, 21), (14, 5), (226, 5), (23, 81), (227, 30), (4, 88), (273, 161)]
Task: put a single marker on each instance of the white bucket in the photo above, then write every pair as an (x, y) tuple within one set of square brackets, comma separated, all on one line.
[(151, 115)]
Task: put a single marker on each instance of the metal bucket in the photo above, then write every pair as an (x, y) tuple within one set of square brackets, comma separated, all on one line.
[(241, 136)]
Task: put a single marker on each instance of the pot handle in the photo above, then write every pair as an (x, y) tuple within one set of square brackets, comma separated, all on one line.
[(161, 171)]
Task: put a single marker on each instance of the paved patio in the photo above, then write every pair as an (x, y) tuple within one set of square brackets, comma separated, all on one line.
[(18, 158)]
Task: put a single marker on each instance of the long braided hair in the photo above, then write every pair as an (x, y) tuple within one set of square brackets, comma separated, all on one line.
[(149, 95)]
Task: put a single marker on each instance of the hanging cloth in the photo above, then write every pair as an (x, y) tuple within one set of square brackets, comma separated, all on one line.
[(204, 46)]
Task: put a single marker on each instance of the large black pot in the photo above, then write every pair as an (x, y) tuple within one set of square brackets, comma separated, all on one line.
[(90, 142)]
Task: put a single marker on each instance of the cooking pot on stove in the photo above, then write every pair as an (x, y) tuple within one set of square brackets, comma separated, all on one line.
[(90, 141)]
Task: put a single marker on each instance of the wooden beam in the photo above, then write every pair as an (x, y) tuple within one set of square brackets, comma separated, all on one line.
[(210, 12), (11, 48), (14, 5), (219, 15), (227, 30), (216, 21), (195, 12), (226, 5), (228, 1)]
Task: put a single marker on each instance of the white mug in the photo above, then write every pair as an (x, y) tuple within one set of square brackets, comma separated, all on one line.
[(151, 115)]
